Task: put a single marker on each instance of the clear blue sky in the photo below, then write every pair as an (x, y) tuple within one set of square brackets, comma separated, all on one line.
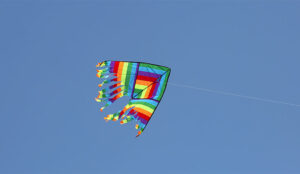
[(50, 123)]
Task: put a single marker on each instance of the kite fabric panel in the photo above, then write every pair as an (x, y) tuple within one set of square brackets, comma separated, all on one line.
[(144, 83)]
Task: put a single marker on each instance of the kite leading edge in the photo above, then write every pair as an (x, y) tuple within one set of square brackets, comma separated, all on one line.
[(144, 83)]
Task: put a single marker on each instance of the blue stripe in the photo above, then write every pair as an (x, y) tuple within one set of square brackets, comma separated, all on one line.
[(147, 69), (161, 82), (152, 102)]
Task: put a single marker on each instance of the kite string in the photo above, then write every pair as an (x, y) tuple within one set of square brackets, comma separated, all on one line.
[(235, 94)]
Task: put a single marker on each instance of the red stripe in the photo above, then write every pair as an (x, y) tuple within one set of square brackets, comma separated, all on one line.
[(115, 91), (124, 110), (114, 80), (115, 85), (146, 78), (152, 90), (116, 67), (131, 112), (143, 116), (115, 98)]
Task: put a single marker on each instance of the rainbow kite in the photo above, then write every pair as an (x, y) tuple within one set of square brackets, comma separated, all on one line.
[(144, 83)]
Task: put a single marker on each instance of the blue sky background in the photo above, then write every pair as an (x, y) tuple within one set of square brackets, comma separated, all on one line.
[(50, 123)]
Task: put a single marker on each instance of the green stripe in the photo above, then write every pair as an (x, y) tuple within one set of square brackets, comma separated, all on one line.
[(144, 103), (128, 76), (154, 67), (137, 91)]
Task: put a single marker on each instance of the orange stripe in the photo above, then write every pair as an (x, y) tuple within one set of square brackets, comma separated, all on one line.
[(143, 111), (120, 69), (147, 92), (142, 82), (117, 96)]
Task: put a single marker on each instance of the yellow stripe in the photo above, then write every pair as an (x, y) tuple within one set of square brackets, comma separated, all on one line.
[(144, 107), (143, 94), (124, 71), (140, 86)]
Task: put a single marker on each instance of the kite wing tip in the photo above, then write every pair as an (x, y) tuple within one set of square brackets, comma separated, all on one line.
[(139, 133)]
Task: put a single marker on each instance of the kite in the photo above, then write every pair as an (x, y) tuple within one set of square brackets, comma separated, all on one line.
[(144, 83)]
